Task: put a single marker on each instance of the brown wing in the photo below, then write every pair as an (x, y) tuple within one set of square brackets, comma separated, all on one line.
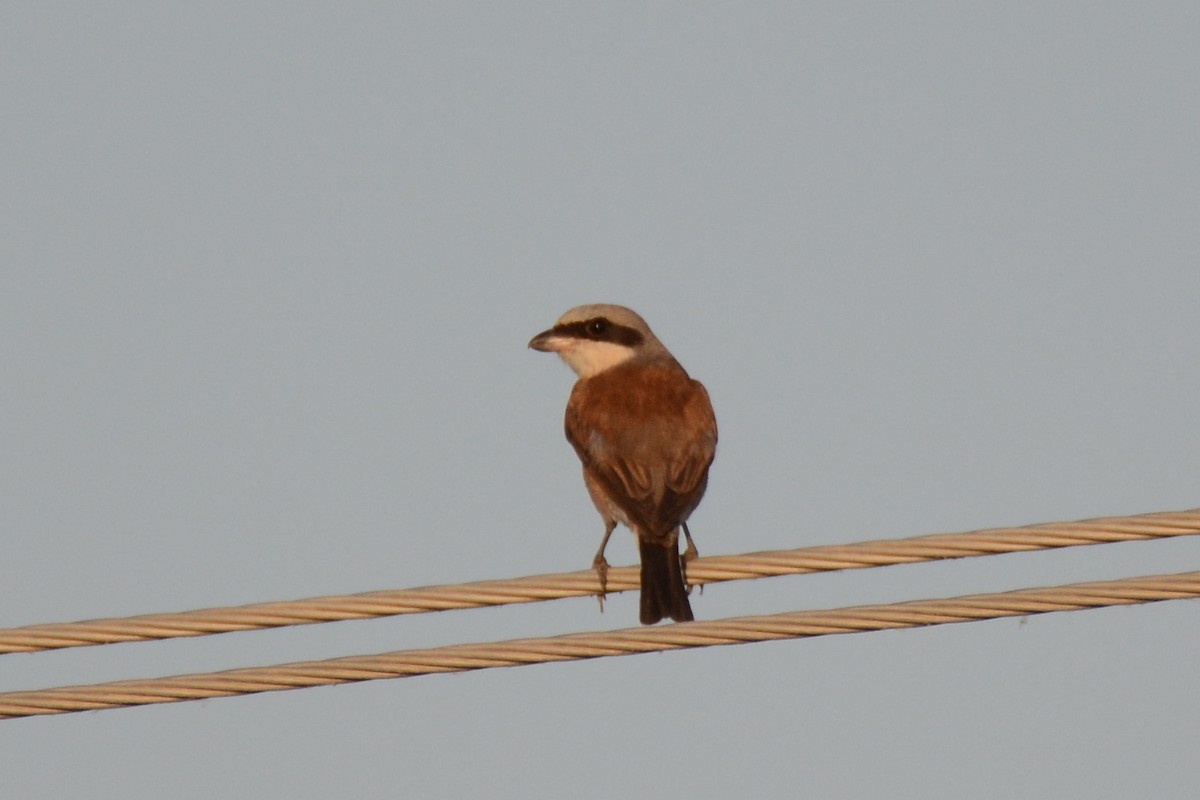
[(646, 434)]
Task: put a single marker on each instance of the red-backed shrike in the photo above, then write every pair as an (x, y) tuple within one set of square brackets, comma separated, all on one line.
[(646, 435)]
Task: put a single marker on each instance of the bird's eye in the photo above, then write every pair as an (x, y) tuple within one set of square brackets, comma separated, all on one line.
[(597, 327)]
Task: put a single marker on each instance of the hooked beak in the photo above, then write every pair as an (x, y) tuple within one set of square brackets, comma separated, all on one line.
[(546, 342)]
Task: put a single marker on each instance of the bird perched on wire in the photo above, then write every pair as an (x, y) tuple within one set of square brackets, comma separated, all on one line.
[(646, 434)]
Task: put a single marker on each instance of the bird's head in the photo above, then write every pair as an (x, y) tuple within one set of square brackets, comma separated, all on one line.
[(594, 338)]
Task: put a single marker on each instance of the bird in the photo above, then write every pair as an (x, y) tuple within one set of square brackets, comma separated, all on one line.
[(646, 435)]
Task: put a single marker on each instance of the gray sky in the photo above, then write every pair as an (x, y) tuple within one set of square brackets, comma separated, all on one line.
[(266, 279)]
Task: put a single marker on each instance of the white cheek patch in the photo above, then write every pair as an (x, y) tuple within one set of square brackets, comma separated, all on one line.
[(591, 358)]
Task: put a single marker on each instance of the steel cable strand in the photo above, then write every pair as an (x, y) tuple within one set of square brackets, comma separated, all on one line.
[(711, 569)]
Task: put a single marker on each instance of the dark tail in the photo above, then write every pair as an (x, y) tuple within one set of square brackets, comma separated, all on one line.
[(663, 593)]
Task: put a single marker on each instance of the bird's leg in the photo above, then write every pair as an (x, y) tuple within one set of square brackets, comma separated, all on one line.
[(688, 554), (600, 564)]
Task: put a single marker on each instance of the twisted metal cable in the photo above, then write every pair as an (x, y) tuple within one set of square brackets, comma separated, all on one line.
[(577, 646), (711, 569)]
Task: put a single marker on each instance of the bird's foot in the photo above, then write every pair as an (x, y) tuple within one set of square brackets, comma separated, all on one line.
[(689, 554), (600, 564)]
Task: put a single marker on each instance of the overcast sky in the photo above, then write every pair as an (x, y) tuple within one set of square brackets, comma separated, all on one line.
[(268, 271)]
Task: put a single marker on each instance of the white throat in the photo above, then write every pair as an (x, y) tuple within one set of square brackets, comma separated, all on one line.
[(591, 358)]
